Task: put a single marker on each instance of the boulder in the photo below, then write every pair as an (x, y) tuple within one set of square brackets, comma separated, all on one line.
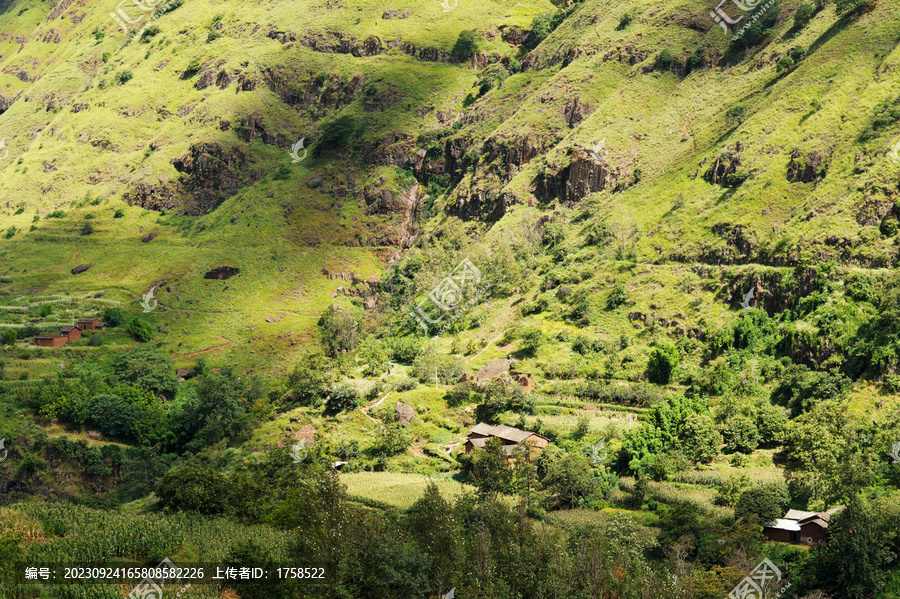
[(405, 413), (222, 272), (149, 237), (80, 269)]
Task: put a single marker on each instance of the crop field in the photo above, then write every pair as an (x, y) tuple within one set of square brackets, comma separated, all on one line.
[(399, 489)]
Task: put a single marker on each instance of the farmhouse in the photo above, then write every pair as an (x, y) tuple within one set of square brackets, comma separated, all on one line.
[(50, 341), (510, 438), (90, 324), (71, 333), (799, 527), (499, 370)]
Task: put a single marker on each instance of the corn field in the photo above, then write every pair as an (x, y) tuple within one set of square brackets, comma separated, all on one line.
[(76, 534)]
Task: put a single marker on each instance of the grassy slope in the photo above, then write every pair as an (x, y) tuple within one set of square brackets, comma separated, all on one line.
[(658, 121)]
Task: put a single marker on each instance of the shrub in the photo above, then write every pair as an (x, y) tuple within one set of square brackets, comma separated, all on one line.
[(57, 214), (139, 328), (9, 337), (119, 213), (625, 20), (531, 342), (854, 7), (342, 398), (805, 13), (10, 232), (148, 33), (458, 395), (736, 114), (124, 76), (617, 297), (407, 384), (87, 228), (543, 25), (404, 350), (665, 58), (146, 367), (664, 360)]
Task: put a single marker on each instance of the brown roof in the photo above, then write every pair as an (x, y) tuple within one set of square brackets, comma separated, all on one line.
[(817, 521), (46, 336), (482, 428), (507, 433), (492, 369), (88, 320), (798, 515), (68, 328), (479, 443)]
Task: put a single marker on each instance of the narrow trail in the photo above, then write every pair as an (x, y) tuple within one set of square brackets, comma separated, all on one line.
[(206, 351), (486, 347)]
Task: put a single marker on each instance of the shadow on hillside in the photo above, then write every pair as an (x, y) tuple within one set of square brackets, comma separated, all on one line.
[(831, 32)]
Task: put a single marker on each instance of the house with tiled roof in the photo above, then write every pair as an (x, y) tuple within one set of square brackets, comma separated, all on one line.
[(800, 527), (511, 439)]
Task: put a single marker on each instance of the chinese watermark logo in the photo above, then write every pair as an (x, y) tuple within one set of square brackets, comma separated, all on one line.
[(725, 21), (895, 452), (3, 447), (299, 451), (145, 302), (149, 588), (147, 6), (751, 587), (296, 148), (598, 452), (445, 4), (447, 296), (894, 154), (749, 299)]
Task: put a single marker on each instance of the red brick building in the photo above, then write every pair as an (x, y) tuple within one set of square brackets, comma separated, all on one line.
[(50, 341), (90, 324), (71, 332)]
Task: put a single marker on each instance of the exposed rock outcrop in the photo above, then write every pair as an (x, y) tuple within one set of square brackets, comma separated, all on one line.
[(807, 169), (80, 269), (222, 272), (405, 413)]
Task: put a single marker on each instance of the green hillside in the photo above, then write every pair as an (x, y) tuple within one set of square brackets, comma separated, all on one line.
[(303, 222)]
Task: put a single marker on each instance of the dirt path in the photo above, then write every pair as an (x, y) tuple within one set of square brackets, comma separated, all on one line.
[(486, 347), (206, 351)]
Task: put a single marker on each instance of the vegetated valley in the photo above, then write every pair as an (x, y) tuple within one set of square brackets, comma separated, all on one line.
[(497, 299)]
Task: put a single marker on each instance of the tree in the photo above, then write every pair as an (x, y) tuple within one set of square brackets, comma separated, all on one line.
[(219, 411), (663, 361), (393, 439), (339, 133), (458, 394), (466, 44), (740, 434), (851, 565), (374, 356), (679, 521), (146, 367), (193, 488), (569, 477), (701, 439), (768, 501), (430, 521), (309, 381), (114, 416), (490, 468), (770, 423), (9, 337), (339, 331)]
